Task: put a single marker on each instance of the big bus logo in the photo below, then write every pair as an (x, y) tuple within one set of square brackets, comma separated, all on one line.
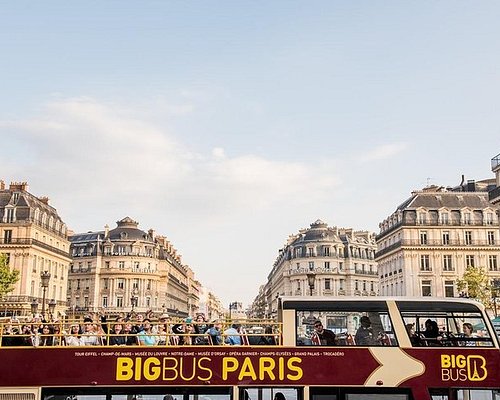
[(463, 368)]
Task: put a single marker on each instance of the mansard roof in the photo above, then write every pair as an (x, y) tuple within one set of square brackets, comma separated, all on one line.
[(450, 200)]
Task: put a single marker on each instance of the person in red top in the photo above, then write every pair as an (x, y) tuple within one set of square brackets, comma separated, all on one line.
[(322, 336)]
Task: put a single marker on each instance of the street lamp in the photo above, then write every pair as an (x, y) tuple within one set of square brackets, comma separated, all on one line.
[(45, 278), (52, 307), (311, 277), (34, 307)]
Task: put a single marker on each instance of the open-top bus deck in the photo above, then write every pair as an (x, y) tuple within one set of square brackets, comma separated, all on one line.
[(327, 349)]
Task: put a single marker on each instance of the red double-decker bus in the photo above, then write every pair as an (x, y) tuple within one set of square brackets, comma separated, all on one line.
[(327, 349)]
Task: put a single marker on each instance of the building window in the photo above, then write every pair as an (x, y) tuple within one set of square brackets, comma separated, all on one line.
[(489, 218), (447, 263), (341, 266), (7, 236), (311, 264), (9, 217), (423, 237), (148, 301), (135, 284), (444, 218), (106, 264), (491, 237), (121, 283), (449, 289), (492, 263), (89, 266), (148, 285), (371, 286), (422, 218), (326, 251), (119, 302), (310, 252), (425, 263), (298, 252), (106, 283), (446, 238), (469, 261), (341, 284), (327, 264), (468, 237), (426, 288), (104, 301), (78, 284), (356, 285), (467, 219), (327, 284), (121, 264), (136, 265)]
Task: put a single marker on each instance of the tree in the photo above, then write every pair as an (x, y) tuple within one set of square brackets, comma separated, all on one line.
[(8, 278), (475, 284)]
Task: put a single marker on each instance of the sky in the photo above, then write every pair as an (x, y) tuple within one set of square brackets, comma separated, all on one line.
[(227, 126)]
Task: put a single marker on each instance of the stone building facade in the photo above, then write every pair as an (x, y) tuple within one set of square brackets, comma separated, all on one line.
[(127, 268), (432, 237), (340, 262), (34, 238)]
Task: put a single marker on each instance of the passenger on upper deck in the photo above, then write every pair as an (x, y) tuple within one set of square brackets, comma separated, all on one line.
[(467, 334), (232, 335), (431, 333), (214, 332), (364, 334), (321, 336)]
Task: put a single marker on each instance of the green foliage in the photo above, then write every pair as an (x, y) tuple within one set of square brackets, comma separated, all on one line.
[(475, 283), (8, 278)]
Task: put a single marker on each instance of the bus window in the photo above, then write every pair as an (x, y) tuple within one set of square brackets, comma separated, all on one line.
[(269, 393), (345, 328), (456, 326)]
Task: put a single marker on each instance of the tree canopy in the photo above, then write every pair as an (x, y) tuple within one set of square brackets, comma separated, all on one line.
[(475, 284), (8, 278)]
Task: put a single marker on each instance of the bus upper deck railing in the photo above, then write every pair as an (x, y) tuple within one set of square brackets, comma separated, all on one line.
[(16, 333)]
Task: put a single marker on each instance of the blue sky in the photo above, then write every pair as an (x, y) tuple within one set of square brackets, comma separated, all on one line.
[(229, 125)]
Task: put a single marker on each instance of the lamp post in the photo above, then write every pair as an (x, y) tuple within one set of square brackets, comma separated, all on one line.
[(311, 277), (52, 307), (45, 279), (34, 307)]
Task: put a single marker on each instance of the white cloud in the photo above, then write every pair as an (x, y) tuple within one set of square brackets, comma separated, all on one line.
[(99, 162), (383, 152)]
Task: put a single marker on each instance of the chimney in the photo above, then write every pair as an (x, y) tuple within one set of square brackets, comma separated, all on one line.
[(471, 185), (17, 186), (44, 200), (2, 185), (106, 231)]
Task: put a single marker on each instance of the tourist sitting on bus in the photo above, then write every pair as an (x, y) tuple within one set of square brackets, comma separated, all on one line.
[(232, 335), (268, 339), (89, 336), (322, 336), (200, 327), (46, 337), (184, 333), (130, 333), (431, 333), (146, 337), (364, 335), (467, 334), (414, 338), (214, 333), (279, 396), (74, 336), (116, 337)]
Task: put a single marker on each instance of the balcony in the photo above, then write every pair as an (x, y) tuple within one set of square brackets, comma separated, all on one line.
[(365, 272), (494, 195), (434, 243), (495, 162), (28, 242)]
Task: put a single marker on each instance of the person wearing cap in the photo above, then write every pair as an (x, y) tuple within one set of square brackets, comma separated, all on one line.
[(214, 332), (364, 334)]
